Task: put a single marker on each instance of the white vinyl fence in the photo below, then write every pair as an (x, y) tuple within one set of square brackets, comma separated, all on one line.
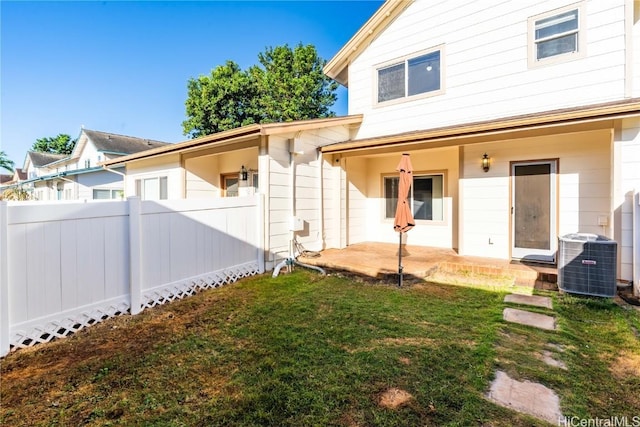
[(65, 266)]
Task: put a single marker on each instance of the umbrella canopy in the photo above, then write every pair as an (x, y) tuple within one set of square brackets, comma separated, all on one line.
[(403, 221)]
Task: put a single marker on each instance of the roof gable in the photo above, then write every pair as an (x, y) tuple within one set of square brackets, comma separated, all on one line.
[(338, 67), (39, 159), (120, 144)]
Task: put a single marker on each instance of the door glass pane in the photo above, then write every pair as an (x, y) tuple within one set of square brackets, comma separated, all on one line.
[(231, 186), (532, 198)]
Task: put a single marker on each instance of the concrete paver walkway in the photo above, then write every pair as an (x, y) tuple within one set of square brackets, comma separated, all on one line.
[(527, 397), (528, 318), (532, 300)]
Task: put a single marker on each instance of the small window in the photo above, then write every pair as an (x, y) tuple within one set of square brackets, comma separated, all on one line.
[(152, 188), (556, 35), (106, 194), (426, 197), (413, 76)]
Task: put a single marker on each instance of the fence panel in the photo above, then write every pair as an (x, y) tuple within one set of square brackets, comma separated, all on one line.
[(196, 244), (56, 262), (70, 265)]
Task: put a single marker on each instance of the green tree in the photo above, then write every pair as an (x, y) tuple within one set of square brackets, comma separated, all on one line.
[(221, 101), (292, 85), (5, 163), (287, 84), (60, 144)]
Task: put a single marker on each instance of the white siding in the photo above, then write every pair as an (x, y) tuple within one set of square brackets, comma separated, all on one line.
[(584, 188), (634, 48), (485, 64), (628, 162), (168, 166), (372, 216)]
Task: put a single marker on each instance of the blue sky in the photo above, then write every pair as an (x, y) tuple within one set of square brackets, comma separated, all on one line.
[(123, 67)]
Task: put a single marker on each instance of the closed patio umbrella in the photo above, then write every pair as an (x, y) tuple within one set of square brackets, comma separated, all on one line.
[(403, 221)]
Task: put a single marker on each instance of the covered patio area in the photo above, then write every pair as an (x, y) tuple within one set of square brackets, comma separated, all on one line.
[(380, 260)]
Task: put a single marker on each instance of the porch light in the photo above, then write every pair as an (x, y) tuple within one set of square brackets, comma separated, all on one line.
[(243, 173), (485, 162)]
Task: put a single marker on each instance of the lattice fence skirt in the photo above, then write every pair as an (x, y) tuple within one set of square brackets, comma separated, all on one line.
[(65, 325), (187, 287), (68, 323)]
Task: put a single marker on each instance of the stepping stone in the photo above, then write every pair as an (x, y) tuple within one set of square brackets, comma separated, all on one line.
[(528, 318), (547, 357), (526, 397), (533, 300)]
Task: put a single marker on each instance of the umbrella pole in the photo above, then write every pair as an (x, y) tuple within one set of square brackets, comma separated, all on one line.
[(400, 260)]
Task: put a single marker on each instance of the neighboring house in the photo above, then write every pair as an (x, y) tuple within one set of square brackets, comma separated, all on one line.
[(522, 119), (77, 176)]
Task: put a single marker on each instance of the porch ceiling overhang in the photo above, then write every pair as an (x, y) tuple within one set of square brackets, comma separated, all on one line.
[(593, 117), (239, 138)]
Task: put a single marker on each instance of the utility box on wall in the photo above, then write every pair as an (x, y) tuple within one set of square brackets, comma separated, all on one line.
[(587, 264), (297, 224)]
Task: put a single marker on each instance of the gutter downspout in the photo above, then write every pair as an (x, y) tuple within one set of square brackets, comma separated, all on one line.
[(123, 175)]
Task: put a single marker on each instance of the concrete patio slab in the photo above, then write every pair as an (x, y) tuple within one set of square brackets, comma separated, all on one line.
[(532, 300), (528, 318), (380, 260), (525, 397)]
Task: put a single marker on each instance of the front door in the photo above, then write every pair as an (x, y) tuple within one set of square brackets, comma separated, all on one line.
[(533, 210)]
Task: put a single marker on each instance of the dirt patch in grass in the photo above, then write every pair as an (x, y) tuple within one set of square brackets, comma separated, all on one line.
[(626, 365), (394, 397)]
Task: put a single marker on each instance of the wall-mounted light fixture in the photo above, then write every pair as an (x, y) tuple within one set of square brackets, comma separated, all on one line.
[(485, 162), (243, 173)]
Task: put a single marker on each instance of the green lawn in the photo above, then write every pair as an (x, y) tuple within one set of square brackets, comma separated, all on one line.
[(308, 350)]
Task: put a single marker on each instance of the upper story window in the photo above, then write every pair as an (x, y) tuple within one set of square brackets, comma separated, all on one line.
[(416, 75), (556, 36)]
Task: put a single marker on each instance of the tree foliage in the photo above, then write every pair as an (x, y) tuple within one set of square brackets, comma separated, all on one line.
[(5, 162), (287, 84), (15, 194), (60, 144)]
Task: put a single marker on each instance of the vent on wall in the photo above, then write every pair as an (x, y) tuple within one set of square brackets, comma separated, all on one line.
[(587, 264)]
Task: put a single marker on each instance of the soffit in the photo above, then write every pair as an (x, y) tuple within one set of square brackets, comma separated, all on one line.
[(559, 121)]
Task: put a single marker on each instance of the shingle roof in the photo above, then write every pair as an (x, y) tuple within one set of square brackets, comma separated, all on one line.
[(5, 178), (121, 144), (40, 159), (22, 175)]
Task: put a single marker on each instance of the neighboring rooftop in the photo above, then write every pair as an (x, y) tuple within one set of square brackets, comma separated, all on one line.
[(121, 144), (39, 159)]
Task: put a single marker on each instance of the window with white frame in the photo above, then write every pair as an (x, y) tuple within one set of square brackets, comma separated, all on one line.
[(106, 194), (152, 188), (426, 197), (417, 75), (556, 35)]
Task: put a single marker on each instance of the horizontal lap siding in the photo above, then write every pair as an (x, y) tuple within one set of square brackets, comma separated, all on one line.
[(486, 64), (629, 139), (584, 187)]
